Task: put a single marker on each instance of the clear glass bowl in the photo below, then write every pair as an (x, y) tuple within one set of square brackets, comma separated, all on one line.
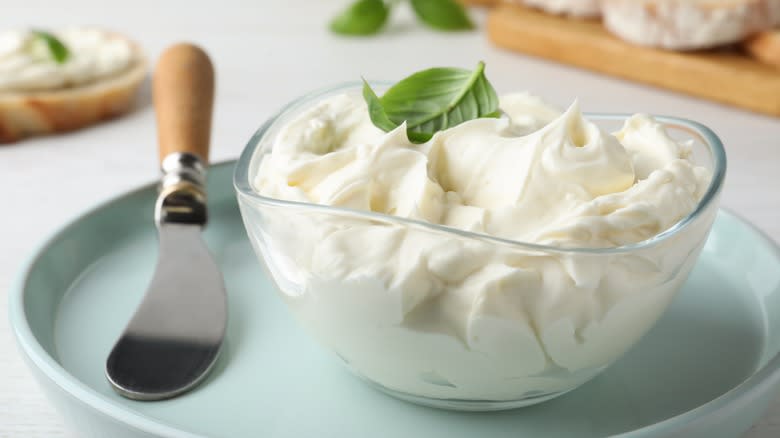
[(577, 311)]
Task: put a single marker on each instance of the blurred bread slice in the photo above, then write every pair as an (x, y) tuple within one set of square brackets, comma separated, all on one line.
[(765, 46), (28, 113), (688, 24), (574, 8)]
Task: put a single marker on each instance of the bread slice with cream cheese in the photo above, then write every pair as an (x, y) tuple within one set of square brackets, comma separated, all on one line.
[(28, 108), (688, 24)]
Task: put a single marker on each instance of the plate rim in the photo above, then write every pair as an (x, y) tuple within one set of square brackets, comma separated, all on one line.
[(35, 356)]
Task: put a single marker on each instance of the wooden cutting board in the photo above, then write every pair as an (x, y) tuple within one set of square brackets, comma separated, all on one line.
[(724, 76)]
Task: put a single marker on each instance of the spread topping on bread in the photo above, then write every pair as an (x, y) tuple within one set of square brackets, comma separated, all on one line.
[(575, 8), (34, 61), (688, 24)]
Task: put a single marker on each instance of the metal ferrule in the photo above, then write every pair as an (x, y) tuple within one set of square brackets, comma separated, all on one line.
[(182, 197)]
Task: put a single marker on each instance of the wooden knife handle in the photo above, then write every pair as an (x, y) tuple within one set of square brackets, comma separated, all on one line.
[(183, 94)]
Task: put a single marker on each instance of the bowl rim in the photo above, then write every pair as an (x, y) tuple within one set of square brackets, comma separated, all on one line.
[(244, 189)]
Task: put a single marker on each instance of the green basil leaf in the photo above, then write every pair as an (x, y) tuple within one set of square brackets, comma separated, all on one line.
[(364, 17), (375, 110), (442, 14), (57, 49), (433, 100)]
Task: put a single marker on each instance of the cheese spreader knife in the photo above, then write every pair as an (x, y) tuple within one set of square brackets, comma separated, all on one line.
[(175, 335)]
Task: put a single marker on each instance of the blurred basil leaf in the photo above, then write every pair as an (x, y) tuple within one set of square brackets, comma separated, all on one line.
[(442, 14), (57, 49), (364, 17)]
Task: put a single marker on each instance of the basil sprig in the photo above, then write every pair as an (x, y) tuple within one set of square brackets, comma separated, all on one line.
[(433, 100), (58, 51), (366, 17)]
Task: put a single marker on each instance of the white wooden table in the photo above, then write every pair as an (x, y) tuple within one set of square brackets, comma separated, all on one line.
[(266, 53)]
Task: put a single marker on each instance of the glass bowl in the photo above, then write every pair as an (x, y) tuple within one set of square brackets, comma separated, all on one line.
[(565, 314)]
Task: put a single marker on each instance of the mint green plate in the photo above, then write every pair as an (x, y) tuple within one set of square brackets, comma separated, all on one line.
[(708, 369)]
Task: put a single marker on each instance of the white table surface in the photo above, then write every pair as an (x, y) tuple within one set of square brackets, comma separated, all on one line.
[(266, 53)]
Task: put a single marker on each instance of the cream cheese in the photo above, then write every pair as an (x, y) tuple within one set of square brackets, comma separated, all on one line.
[(578, 8), (444, 316), (689, 24), (538, 176), (26, 65)]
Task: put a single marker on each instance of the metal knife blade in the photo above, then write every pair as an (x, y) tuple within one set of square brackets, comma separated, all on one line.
[(175, 336)]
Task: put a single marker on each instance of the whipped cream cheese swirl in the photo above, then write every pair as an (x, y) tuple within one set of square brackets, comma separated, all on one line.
[(551, 178)]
